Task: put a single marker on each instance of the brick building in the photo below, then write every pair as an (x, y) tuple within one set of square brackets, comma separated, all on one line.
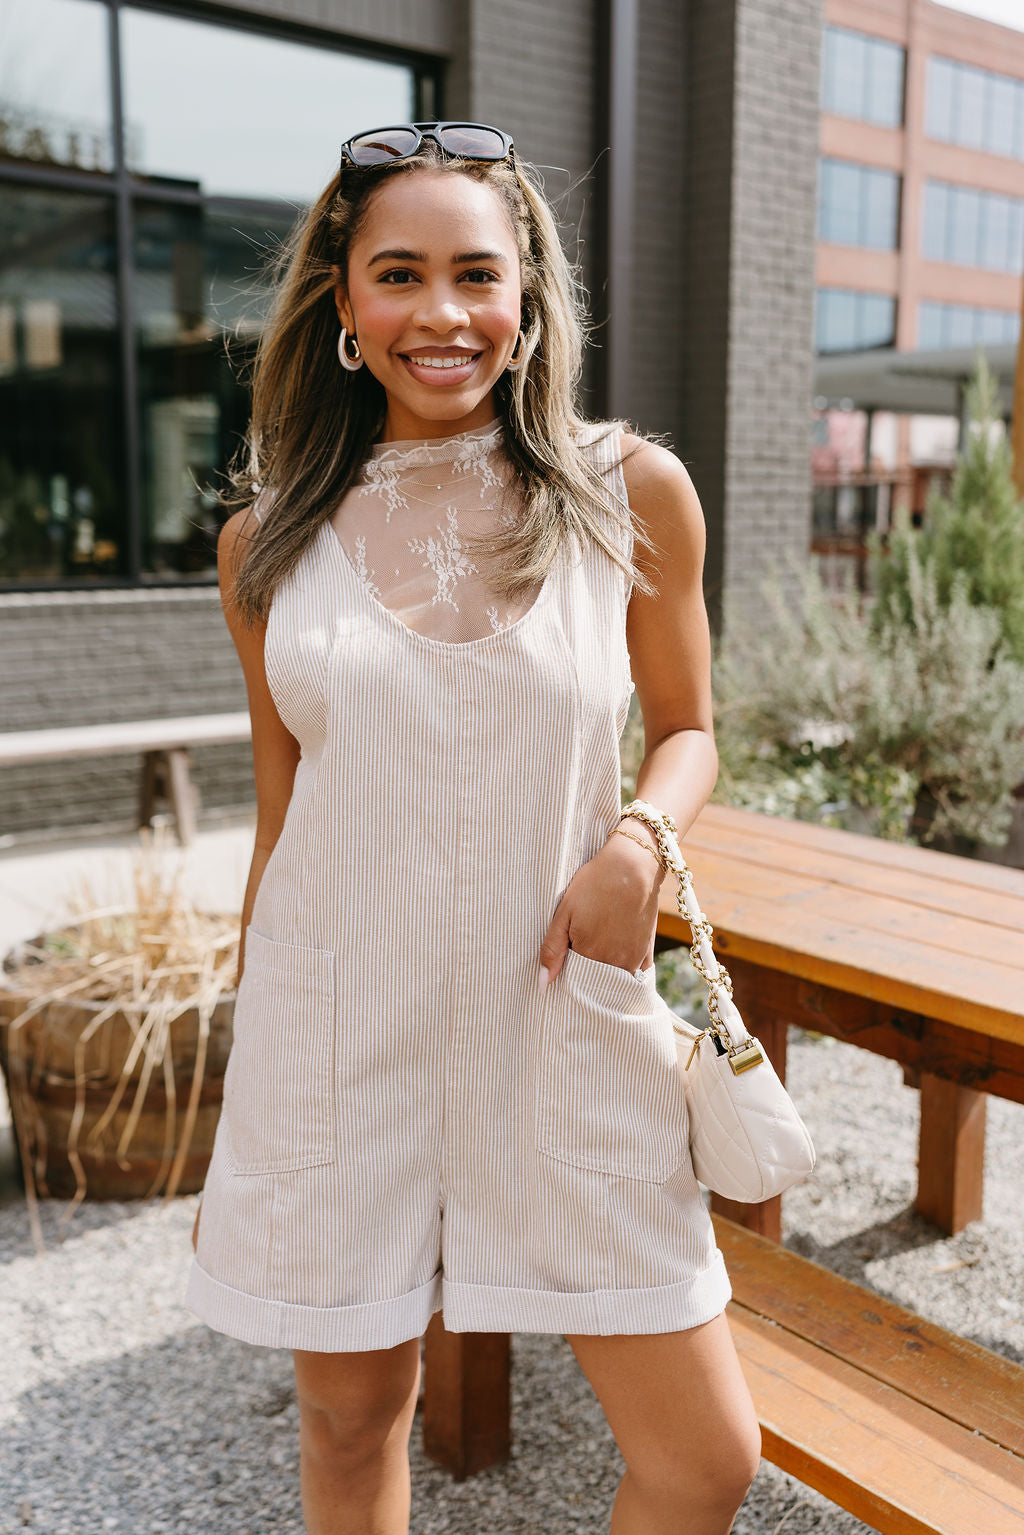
[(921, 220), (152, 152)]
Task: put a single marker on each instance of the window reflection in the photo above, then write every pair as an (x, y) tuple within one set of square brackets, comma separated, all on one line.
[(61, 500), (975, 107), (858, 205), (289, 106), (229, 133), (197, 279), (847, 320), (970, 228), (55, 84), (862, 77), (964, 325)]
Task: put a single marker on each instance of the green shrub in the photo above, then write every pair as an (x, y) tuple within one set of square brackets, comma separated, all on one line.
[(827, 707), (974, 536), (902, 711)]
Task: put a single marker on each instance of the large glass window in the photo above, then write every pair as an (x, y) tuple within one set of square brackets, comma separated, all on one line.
[(962, 325), (288, 105), (977, 108), (62, 506), (862, 77), (969, 228), (124, 345), (195, 283), (858, 205), (849, 321), (55, 100)]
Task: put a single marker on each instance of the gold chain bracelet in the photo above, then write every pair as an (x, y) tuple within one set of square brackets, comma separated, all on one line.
[(640, 842)]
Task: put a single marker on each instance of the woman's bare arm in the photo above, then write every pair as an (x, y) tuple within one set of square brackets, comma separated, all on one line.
[(670, 658), (275, 751), (670, 643)]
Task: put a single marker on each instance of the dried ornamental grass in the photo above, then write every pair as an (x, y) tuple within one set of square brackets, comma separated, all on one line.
[(148, 961)]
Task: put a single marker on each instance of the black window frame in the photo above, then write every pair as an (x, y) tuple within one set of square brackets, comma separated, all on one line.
[(123, 188)]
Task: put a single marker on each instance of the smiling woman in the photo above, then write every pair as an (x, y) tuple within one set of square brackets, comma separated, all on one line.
[(443, 597), (431, 318)]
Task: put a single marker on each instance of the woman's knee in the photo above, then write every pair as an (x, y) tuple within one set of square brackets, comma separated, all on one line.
[(351, 1406), (705, 1471)]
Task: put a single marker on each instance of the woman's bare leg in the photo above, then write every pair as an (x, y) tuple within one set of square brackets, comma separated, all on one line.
[(355, 1417), (685, 1424)]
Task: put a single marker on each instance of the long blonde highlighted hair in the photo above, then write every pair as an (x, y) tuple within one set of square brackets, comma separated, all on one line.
[(313, 423)]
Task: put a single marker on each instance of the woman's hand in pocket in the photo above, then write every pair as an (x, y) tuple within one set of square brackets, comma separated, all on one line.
[(609, 910)]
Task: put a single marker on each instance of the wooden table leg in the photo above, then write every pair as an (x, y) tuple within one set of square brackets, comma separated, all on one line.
[(182, 793), (467, 1398), (951, 1154), (764, 1218)]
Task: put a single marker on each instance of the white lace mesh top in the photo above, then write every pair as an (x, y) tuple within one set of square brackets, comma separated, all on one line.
[(403, 527)]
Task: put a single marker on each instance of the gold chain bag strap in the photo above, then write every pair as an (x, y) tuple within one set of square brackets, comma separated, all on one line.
[(747, 1140)]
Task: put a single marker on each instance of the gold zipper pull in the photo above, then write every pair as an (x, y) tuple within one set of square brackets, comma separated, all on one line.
[(693, 1052)]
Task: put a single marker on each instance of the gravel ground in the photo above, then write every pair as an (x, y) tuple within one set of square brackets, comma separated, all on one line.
[(120, 1411)]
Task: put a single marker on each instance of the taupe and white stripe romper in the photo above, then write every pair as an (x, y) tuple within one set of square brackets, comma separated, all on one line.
[(409, 1124)]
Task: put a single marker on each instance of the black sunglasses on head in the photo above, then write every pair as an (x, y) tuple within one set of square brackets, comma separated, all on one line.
[(400, 141)]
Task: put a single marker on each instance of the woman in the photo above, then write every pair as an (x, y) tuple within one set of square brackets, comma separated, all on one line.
[(453, 1083)]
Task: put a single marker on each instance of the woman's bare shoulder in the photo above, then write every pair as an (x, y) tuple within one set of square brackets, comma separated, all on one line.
[(661, 492), (233, 541)]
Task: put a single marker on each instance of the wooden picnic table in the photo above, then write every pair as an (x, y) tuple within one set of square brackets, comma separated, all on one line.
[(901, 950)]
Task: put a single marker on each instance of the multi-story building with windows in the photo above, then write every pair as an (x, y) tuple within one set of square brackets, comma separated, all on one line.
[(920, 212), (153, 153)]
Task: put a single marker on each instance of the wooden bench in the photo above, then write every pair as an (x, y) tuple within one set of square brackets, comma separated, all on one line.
[(164, 744), (906, 1425)]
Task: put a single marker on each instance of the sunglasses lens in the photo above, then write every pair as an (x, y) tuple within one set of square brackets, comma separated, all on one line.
[(379, 148), (475, 143)]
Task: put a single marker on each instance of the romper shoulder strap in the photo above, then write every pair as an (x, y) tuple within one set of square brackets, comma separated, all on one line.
[(602, 442)]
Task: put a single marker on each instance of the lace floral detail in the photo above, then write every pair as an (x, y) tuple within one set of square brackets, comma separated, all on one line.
[(446, 557), (383, 479), (409, 522), (496, 622), (481, 468), (361, 567)]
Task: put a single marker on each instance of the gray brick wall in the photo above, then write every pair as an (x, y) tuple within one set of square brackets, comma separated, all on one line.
[(89, 658), (656, 379), (752, 88), (423, 25), (530, 68), (771, 344)]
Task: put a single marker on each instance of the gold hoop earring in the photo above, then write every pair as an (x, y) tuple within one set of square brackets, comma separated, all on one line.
[(518, 356), (352, 362)]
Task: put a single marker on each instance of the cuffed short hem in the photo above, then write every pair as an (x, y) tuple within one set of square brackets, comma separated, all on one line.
[(666, 1308), (466, 1308), (321, 1329)]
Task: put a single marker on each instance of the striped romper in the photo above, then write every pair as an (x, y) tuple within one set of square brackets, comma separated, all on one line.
[(409, 1125)]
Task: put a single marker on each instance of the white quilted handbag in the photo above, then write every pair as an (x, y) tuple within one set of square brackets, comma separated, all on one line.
[(747, 1140)]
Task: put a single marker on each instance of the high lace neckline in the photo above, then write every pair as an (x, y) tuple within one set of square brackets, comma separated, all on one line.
[(455, 447)]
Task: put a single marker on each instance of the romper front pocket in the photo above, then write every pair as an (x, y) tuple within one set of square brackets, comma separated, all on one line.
[(609, 1096), (278, 1097)]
